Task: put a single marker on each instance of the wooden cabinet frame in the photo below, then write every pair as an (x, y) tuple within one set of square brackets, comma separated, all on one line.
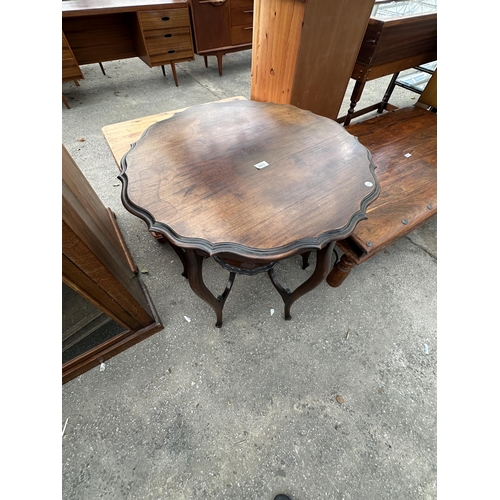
[(97, 265)]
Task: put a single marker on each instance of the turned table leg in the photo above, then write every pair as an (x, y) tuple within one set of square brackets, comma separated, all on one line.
[(323, 263), (388, 93), (355, 97), (340, 271)]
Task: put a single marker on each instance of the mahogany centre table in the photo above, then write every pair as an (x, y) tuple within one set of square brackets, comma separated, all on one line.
[(249, 184)]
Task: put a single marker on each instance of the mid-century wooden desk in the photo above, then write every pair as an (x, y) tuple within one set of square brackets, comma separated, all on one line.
[(247, 183), (157, 31)]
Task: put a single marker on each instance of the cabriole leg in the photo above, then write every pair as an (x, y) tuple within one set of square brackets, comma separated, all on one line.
[(195, 276), (323, 263)]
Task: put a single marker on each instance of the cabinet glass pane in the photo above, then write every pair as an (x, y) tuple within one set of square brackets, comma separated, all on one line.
[(84, 326), (387, 9)]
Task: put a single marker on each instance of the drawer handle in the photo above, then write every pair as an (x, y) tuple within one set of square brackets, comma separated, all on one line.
[(171, 51), (249, 28), (213, 2), (248, 12), (168, 35), (165, 18)]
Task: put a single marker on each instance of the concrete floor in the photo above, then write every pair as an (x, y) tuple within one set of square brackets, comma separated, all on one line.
[(252, 409)]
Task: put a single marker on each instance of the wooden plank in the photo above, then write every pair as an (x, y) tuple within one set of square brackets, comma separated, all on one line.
[(304, 52), (331, 38), (276, 40)]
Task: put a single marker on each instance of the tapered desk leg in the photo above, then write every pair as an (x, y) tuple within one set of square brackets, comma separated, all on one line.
[(174, 73), (195, 276), (323, 263)]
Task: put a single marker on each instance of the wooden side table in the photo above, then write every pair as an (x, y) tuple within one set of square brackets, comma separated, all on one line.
[(249, 184)]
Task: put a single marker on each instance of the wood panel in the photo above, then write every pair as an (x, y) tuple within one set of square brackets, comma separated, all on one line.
[(406, 37), (70, 68), (304, 52), (211, 25), (101, 38), (89, 221), (276, 41)]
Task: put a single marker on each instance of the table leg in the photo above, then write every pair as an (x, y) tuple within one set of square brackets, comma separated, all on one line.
[(305, 259), (174, 73), (195, 276), (388, 93), (323, 263), (355, 97), (219, 61), (179, 251), (340, 271)]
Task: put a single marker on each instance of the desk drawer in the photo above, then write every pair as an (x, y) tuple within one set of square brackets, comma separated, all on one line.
[(242, 17), (241, 34), (167, 45), (160, 19)]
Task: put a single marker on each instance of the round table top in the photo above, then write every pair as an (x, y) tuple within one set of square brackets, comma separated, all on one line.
[(195, 178)]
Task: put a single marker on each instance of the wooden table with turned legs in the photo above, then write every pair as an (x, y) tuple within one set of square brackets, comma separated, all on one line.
[(247, 183)]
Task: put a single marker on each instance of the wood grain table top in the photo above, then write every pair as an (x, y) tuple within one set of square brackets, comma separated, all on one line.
[(193, 178)]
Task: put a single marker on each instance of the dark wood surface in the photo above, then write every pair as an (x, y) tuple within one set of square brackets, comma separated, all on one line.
[(192, 178), (388, 44), (408, 185)]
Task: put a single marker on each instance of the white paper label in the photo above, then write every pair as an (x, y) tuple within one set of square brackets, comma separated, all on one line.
[(261, 165)]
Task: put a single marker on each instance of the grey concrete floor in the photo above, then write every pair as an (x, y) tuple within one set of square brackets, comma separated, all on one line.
[(251, 410)]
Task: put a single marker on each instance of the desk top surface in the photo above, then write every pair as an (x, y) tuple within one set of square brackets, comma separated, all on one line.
[(193, 178), (72, 8)]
